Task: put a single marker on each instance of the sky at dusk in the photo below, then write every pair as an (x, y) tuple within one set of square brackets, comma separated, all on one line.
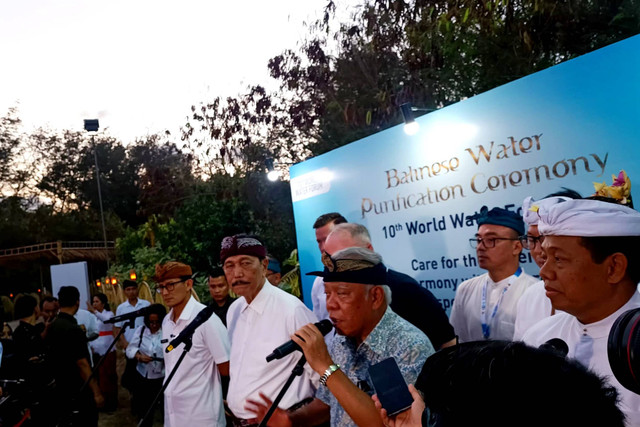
[(138, 65)]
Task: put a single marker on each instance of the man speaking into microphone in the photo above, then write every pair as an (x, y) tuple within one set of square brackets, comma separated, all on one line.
[(368, 332), (262, 318), (194, 395)]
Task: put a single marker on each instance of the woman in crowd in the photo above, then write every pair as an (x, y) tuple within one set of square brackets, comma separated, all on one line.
[(107, 376), (147, 349)]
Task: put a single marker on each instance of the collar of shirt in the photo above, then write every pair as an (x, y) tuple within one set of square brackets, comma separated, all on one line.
[(378, 338), (260, 302), (186, 312), (602, 327), (67, 317), (134, 306)]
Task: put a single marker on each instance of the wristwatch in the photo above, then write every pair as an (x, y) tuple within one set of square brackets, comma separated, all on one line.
[(330, 370)]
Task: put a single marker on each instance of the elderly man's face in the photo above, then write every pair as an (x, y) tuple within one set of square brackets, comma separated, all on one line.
[(350, 307), (245, 274), (573, 281), (506, 249)]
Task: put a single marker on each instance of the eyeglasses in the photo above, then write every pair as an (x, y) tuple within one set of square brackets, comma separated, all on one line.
[(169, 286), (489, 242), (529, 242)]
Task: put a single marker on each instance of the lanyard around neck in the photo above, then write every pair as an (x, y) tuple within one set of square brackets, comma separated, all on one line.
[(486, 323)]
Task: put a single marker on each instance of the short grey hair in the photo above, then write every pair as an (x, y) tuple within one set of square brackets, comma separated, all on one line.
[(358, 232)]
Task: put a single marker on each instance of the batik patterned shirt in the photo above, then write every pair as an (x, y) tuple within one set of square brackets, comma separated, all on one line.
[(392, 337)]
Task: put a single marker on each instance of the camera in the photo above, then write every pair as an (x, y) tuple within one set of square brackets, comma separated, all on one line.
[(623, 349)]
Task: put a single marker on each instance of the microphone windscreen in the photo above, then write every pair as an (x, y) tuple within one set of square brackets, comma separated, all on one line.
[(325, 326), (557, 346)]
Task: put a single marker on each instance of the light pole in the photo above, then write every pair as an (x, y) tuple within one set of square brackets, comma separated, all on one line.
[(92, 125)]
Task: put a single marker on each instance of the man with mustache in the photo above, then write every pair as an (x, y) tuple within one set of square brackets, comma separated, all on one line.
[(591, 272), (485, 306), (261, 319), (368, 332)]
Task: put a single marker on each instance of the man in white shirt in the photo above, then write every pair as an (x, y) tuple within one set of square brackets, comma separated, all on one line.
[(89, 324), (133, 303), (591, 273), (534, 305), (323, 227), (261, 319), (194, 395), (485, 306)]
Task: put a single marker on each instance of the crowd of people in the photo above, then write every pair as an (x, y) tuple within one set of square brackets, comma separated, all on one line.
[(489, 363)]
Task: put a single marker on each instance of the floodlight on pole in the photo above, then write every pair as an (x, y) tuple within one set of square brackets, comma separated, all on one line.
[(92, 125), (272, 173), (411, 127)]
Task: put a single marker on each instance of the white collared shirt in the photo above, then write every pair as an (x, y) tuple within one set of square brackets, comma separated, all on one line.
[(90, 323), (571, 331), (255, 330), (194, 395), (532, 308), (150, 344), (125, 308), (466, 317), (319, 299)]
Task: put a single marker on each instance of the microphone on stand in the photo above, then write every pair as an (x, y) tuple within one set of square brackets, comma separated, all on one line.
[(289, 347), (187, 332), (143, 311)]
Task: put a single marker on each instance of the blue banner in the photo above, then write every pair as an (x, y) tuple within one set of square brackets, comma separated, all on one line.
[(568, 126)]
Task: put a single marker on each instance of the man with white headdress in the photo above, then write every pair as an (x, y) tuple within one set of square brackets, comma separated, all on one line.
[(534, 305), (591, 272)]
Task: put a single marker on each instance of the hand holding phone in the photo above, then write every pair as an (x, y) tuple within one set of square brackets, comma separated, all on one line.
[(390, 387)]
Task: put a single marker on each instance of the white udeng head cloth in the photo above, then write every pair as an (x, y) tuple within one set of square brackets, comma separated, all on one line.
[(588, 218), (530, 207)]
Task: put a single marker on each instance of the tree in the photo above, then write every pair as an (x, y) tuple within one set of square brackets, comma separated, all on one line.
[(164, 175), (13, 175), (238, 134), (431, 53)]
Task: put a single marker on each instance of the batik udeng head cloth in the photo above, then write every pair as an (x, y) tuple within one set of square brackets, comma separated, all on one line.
[(241, 244), (172, 270)]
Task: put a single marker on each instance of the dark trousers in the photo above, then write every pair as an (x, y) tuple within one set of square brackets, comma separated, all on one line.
[(144, 393)]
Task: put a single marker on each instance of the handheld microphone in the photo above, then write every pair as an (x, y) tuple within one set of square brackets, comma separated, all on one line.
[(557, 346), (128, 316), (324, 326), (187, 332)]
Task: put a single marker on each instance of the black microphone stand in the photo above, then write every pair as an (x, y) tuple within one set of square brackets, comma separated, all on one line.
[(295, 372), (131, 323), (187, 346)]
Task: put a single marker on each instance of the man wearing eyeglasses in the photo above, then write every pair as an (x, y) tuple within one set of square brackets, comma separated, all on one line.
[(485, 306), (194, 394)]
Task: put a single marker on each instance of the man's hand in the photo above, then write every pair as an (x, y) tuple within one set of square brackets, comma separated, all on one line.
[(311, 341), (410, 418), (279, 418)]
